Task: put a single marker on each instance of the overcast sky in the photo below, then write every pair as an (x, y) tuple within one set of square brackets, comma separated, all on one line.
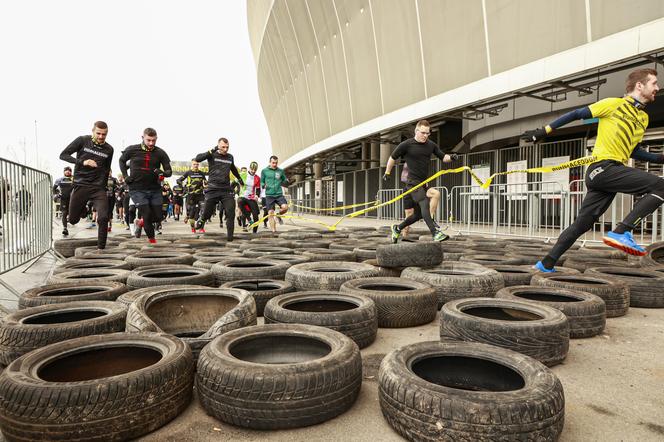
[(184, 68)]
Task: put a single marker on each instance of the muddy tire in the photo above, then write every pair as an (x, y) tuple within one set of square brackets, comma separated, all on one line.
[(363, 253), (195, 315), (581, 263), (291, 376), (585, 312), (353, 315), (432, 391), (91, 276), (455, 280), (169, 275), (385, 272), (36, 327), (614, 293), (290, 259), (76, 264), (492, 259), (67, 247), (421, 254), (262, 290), (234, 269), (259, 252), (645, 286), (79, 395), (161, 257), (538, 331), (319, 255), (400, 302), (327, 275)]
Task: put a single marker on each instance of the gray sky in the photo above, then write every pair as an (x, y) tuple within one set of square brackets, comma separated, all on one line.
[(184, 68)]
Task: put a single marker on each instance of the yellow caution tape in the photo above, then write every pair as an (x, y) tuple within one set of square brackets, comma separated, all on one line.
[(332, 209)]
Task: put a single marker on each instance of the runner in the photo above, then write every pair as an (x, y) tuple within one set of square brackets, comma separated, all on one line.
[(178, 200), (409, 205), (272, 179), (417, 153), (220, 166), (166, 195), (92, 164), (63, 187), (148, 165), (111, 187), (193, 181), (622, 123), (248, 202), (120, 192)]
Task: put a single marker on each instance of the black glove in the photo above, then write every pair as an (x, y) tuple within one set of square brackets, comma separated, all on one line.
[(535, 135), (453, 156), (386, 177), (129, 179), (159, 173)]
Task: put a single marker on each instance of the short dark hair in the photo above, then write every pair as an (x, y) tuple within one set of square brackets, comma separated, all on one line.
[(100, 125), (150, 132), (275, 157), (225, 140), (67, 168), (424, 123), (638, 76)]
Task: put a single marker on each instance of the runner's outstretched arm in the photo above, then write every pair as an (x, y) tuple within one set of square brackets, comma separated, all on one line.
[(536, 135), (639, 154)]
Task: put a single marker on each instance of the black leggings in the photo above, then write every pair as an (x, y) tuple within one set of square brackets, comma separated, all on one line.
[(227, 199), (111, 206), (603, 180), (64, 209), (421, 210), (249, 210), (78, 208), (150, 216)]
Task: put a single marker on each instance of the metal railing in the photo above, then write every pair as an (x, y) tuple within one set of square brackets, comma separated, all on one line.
[(25, 216)]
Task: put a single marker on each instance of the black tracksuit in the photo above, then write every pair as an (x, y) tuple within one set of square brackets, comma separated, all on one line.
[(64, 186), (193, 183), (89, 182)]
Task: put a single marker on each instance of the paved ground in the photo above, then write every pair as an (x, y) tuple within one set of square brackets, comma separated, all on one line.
[(614, 383)]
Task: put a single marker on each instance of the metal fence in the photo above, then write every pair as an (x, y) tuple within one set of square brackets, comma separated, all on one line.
[(25, 216)]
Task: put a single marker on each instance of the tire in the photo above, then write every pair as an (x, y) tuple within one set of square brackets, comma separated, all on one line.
[(71, 292), (67, 247), (161, 257), (91, 276), (327, 275), (385, 272), (262, 290), (492, 259), (194, 314), (581, 263), (363, 253), (585, 312), (291, 259), (233, 269), (400, 302), (538, 331), (645, 286), (409, 255), (310, 244), (353, 315), (348, 244), (319, 255), (259, 252), (317, 376), (300, 235), (36, 327), (655, 256), (513, 274), (128, 298), (432, 391), (614, 293), (455, 280), (93, 400), (93, 251), (163, 275), (215, 257), (76, 264)]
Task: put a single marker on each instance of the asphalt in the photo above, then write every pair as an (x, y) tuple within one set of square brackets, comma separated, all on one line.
[(613, 383)]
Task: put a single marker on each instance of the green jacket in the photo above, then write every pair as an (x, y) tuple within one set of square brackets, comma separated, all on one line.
[(272, 180)]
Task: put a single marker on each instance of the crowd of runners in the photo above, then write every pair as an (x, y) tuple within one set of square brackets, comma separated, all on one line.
[(144, 199)]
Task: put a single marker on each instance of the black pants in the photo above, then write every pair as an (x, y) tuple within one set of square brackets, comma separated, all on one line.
[(421, 209), (265, 211), (78, 208), (249, 209), (194, 203), (64, 209), (603, 180), (227, 199), (111, 206)]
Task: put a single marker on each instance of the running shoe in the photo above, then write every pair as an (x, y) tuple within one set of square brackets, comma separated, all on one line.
[(244, 229), (439, 236), (193, 230), (624, 242), (396, 233), (201, 230), (138, 226), (127, 228), (65, 232), (109, 228), (152, 241), (539, 266), (199, 224)]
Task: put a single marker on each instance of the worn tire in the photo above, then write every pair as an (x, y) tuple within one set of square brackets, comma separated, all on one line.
[(585, 312), (196, 315), (70, 292), (233, 269), (455, 280), (161, 257), (327, 275), (365, 252), (400, 302), (261, 251), (94, 400), (76, 264), (385, 272), (91, 276), (36, 327), (290, 259), (655, 256), (538, 331), (353, 315), (67, 247), (421, 254), (492, 259), (169, 275), (645, 286), (319, 255), (614, 293), (432, 391), (262, 290), (250, 389), (582, 263)]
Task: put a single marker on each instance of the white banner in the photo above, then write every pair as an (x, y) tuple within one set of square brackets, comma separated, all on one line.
[(560, 176), (516, 182), (340, 191), (482, 173)]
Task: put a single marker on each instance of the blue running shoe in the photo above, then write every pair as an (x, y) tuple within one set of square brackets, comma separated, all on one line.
[(539, 266), (624, 242)]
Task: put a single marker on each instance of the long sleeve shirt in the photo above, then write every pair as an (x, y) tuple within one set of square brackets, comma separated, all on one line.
[(85, 148), (220, 168), (142, 165), (63, 186), (272, 180)]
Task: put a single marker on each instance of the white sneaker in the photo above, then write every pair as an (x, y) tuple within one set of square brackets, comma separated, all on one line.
[(132, 229)]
